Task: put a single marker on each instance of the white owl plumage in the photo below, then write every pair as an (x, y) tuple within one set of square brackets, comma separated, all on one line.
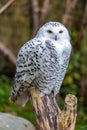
[(42, 62)]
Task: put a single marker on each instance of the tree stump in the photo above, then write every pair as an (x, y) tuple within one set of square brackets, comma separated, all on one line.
[(49, 116)]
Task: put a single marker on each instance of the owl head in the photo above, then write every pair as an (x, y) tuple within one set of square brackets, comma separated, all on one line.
[(53, 30)]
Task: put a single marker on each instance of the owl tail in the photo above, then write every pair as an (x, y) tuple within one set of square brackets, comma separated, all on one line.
[(20, 100)]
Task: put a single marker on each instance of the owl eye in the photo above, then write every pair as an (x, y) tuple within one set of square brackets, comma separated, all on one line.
[(49, 31), (60, 31)]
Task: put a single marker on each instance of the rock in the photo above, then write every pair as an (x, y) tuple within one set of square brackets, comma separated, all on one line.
[(10, 122)]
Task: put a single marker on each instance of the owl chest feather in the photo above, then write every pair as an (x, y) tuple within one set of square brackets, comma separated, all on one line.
[(52, 56), (53, 63)]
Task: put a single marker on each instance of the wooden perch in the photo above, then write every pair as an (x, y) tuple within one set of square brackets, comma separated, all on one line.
[(49, 116), (67, 117), (7, 54)]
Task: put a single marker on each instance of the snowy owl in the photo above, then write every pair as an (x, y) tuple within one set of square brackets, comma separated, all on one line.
[(42, 62)]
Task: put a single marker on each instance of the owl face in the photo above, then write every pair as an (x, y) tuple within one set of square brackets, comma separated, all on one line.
[(54, 30)]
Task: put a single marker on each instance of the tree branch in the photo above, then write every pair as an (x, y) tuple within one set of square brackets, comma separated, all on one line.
[(34, 12), (68, 16), (82, 26), (7, 54), (6, 6), (37, 14), (44, 10)]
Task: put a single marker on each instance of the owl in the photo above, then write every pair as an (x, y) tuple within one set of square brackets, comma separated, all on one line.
[(42, 62)]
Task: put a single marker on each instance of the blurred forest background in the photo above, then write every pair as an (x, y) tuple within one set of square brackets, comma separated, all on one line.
[(19, 22)]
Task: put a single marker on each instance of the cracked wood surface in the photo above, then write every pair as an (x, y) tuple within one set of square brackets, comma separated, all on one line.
[(48, 114)]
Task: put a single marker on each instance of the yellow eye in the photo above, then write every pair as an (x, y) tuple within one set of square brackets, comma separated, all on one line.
[(49, 31), (60, 31)]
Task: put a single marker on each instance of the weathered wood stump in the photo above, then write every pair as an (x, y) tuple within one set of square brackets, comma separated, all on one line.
[(49, 116)]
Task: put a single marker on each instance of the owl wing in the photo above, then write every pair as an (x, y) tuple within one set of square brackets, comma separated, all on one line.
[(26, 71)]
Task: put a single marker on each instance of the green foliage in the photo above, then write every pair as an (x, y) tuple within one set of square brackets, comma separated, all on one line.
[(4, 91), (6, 106)]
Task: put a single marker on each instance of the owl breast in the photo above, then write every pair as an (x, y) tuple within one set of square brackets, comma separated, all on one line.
[(53, 64)]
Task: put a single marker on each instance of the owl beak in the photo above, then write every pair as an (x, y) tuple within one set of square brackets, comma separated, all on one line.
[(56, 37)]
